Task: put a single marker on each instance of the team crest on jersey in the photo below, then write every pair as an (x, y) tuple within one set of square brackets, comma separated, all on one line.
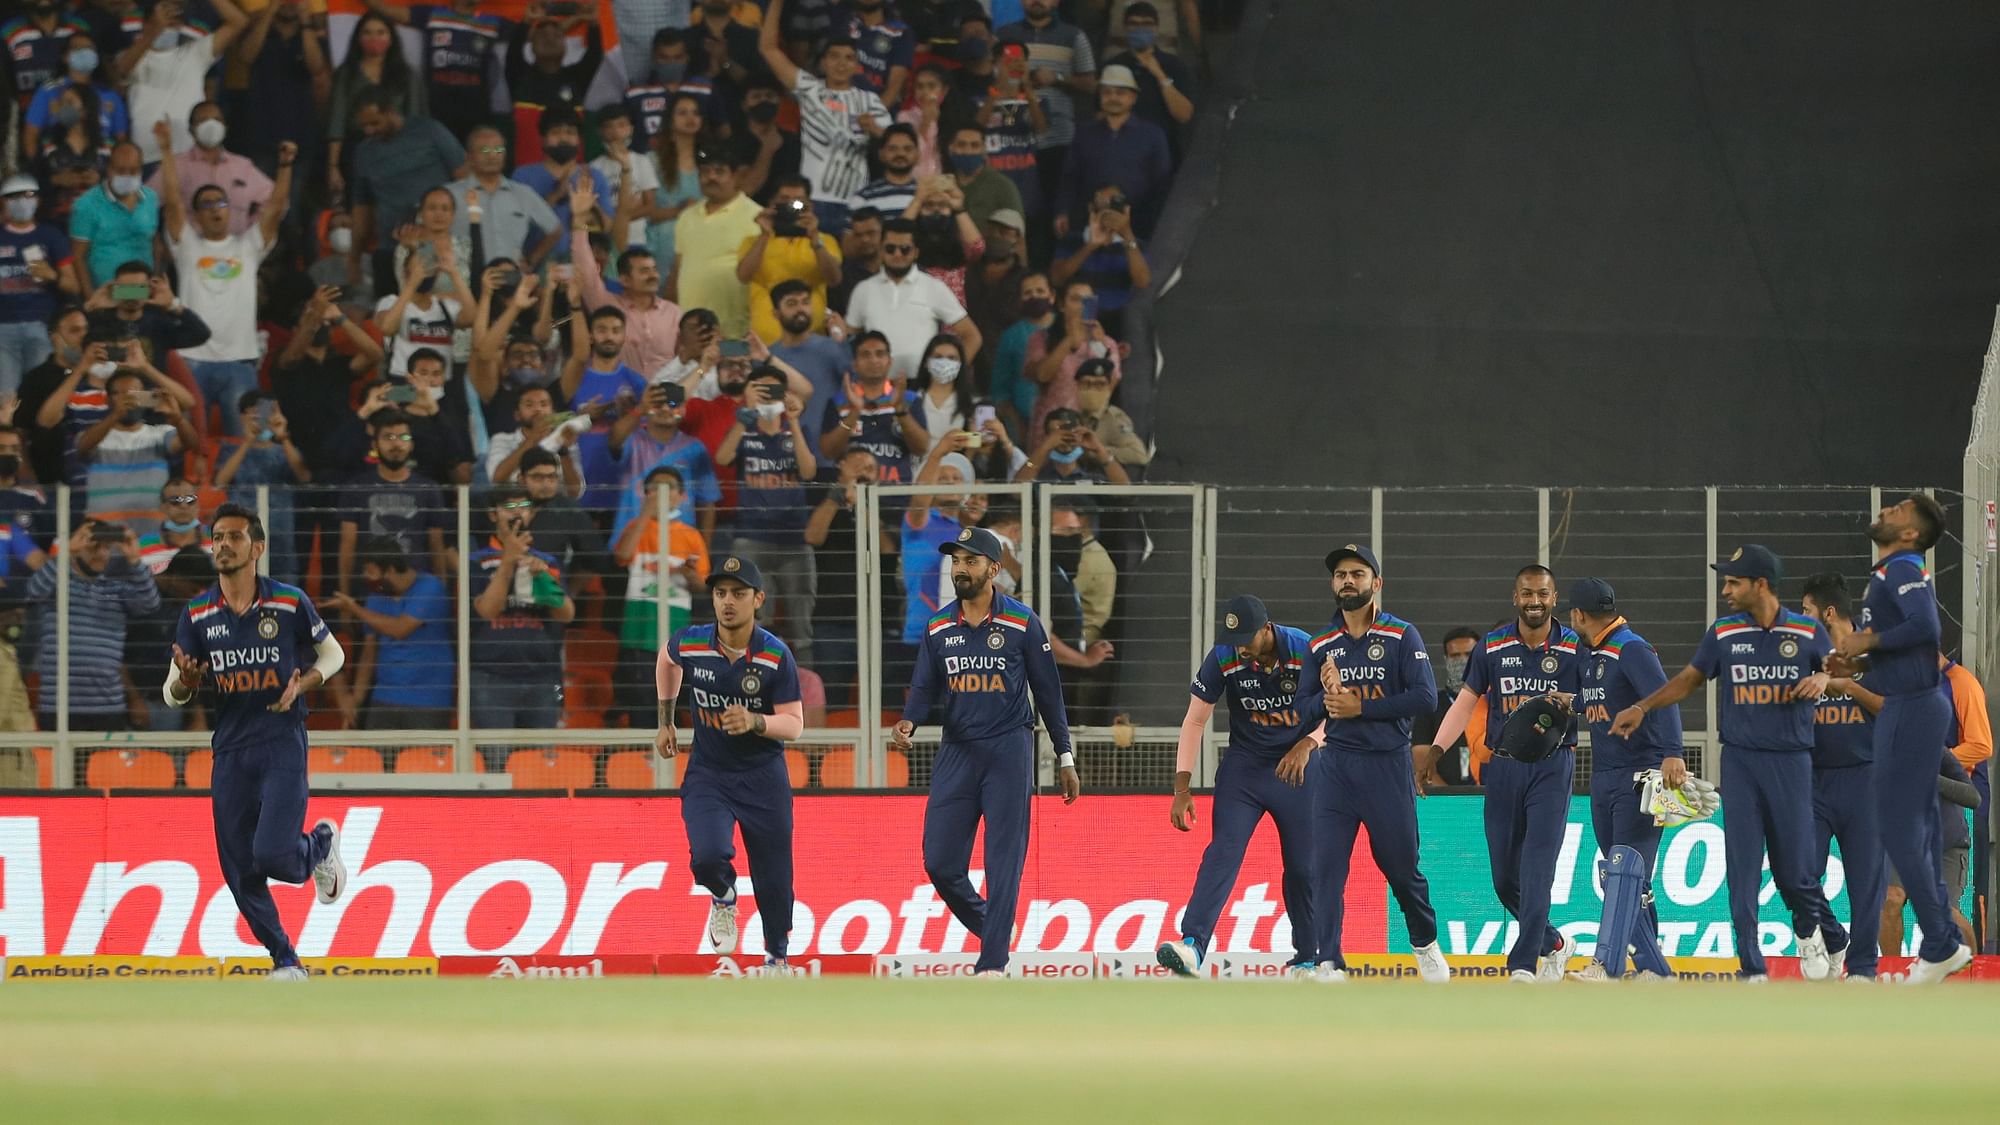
[(1549, 665), (267, 627), (995, 641), (440, 38), (1289, 685), (752, 683), (1788, 648), (1376, 650)]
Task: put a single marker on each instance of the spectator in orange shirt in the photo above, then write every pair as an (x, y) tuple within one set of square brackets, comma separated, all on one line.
[(638, 550)]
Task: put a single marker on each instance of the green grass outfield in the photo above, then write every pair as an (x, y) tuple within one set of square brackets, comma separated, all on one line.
[(1014, 1051)]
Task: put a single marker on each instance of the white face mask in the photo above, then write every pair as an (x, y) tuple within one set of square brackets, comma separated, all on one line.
[(21, 210), (1097, 350), (209, 133), (770, 409), (436, 393), (341, 239), (943, 369), (103, 369)]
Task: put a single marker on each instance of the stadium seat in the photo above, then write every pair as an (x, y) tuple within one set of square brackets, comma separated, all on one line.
[(424, 759), (586, 698), (199, 768), (836, 770), (799, 768), (343, 759), (45, 767), (130, 769), (843, 720), (629, 769), (590, 650), (564, 768)]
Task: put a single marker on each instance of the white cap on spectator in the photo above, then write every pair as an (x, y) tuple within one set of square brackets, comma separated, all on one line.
[(1008, 217), (1118, 74), (17, 183)]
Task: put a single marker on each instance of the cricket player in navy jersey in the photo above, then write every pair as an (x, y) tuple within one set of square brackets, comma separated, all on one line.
[(1621, 668), (1366, 678), (1899, 639), (1527, 803), (1843, 758), (1772, 663), (744, 688), (1256, 663), (983, 655), (242, 646)]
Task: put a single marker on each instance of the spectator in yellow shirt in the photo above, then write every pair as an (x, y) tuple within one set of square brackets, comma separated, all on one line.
[(788, 247)]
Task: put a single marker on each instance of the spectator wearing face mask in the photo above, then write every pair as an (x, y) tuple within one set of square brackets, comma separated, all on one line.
[(1166, 82), (266, 455), (1105, 254), (947, 239), (70, 157), (649, 436), (417, 317), (462, 58), (1071, 454), (1095, 380), (987, 193), (1454, 767), (114, 223), (167, 66), (541, 78), (35, 269), (1010, 384), (177, 527), (561, 171), (38, 46), (128, 457), (79, 69), (1054, 356), (993, 284), (208, 164), (330, 267), (943, 386), (84, 397), (766, 152)]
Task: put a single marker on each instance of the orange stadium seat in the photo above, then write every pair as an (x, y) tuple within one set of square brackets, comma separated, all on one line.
[(199, 768), (343, 759), (564, 768), (45, 767), (424, 759), (843, 720), (130, 769), (590, 650), (629, 769), (836, 770), (799, 768)]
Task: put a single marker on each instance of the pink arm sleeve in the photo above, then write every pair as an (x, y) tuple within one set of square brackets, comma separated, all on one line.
[(1192, 728), (789, 721), (1455, 719), (667, 676)]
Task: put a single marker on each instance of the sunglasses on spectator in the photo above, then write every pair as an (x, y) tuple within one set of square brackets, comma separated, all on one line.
[(189, 499), (516, 505), (213, 205), (898, 248), (491, 150), (542, 475), (403, 439)]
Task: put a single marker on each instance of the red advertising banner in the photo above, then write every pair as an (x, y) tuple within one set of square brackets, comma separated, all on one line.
[(555, 882)]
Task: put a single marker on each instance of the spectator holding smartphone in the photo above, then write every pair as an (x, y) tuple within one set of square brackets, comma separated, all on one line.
[(108, 589), (1105, 255), (788, 246), (1095, 379), (1052, 360), (837, 120), (265, 455), (83, 398), (517, 628), (768, 446), (649, 436), (598, 382), (391, 498), (406, 675), (127, 456), (35, 268), (1069, 453), (1117, 148)]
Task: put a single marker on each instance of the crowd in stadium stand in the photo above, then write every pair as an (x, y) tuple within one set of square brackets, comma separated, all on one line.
[(724, 259)]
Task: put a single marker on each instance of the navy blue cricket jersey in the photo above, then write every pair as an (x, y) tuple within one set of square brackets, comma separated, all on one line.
[(1622, 668), (1509, 672), (251, 657), (1264, 716), (1843, 734), (766, 677), (1901, 609), (985, 672), (1759, 668), (1390, 670)]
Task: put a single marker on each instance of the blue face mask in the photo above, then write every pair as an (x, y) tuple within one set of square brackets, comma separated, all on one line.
[(1070, 458), (1141, 38), (669, 73), (83, 60), (179, 527), (966, 164)]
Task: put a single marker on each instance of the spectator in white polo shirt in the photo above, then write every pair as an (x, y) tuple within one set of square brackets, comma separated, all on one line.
[(906, 304)]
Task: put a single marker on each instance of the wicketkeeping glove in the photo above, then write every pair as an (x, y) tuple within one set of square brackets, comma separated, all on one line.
[(1695, 799)]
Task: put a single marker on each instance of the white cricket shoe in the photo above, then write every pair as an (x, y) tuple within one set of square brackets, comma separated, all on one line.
[(329, 874), (1523, 976), (1431, 964), (1933, 972), (1852, 979), (722, 925), (1754, 978), (289, 972), (1326, 972), (1179, 956), (1592, 971), (1550, 969), (777, 967), (1304, 971), (996, 974), (1814, 964)]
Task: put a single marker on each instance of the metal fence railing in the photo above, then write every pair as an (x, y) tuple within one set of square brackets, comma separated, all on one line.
[(1978, 537), (1134, 622)]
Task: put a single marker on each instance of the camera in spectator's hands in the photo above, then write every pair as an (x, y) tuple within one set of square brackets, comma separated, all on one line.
[(108, 532), (788, 217), (1116, 201), (402, 394)]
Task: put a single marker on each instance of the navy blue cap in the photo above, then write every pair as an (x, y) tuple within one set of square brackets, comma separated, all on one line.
[(978, 540), (1353, 551), (1534, 730), (1592, 595), (1751, 561), (1241, 620), (736, 568)]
